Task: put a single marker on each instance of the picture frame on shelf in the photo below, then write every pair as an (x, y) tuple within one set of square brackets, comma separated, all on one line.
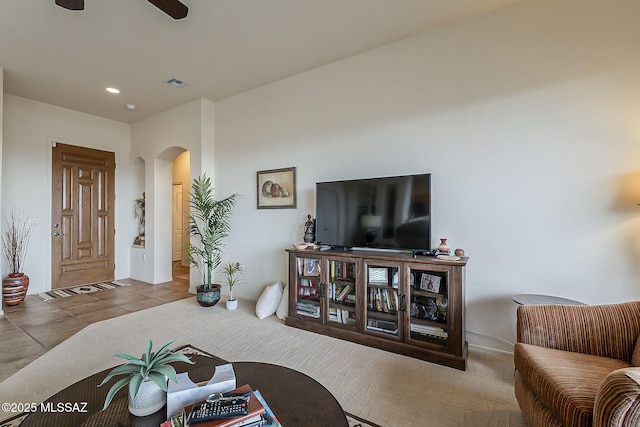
[(311, 267), (276, 188), (429, 282)]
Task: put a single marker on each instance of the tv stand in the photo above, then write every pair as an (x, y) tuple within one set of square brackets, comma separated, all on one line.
[(391, 301)]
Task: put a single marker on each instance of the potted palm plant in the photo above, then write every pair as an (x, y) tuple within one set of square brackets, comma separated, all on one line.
[(231, 271), (15, 242), (147, 378), (209, 226)]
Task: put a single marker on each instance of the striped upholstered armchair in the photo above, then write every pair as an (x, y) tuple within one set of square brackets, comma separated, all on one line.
[(578, 365)]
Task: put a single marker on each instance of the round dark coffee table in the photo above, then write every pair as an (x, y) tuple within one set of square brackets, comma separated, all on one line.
[(295, 398)]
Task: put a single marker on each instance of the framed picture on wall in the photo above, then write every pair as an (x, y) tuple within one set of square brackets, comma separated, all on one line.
[(277, 189)]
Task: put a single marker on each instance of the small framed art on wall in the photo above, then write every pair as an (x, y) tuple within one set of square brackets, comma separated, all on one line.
[(276, 188)]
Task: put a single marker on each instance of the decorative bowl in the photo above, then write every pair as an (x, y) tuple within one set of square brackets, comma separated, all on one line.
[(301, 246)]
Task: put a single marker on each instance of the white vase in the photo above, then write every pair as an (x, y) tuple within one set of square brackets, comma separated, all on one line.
[(149, 399), (232, 304)]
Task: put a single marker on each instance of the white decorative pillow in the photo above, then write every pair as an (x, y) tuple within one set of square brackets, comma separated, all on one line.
[(268, 302), (283, 308)]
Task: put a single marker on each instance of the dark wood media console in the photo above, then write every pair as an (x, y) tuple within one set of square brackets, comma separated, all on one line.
[(393, 301)]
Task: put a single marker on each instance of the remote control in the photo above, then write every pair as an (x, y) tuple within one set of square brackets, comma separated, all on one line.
[(223, 408)]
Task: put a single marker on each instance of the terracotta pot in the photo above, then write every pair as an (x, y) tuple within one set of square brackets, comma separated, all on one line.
[(14, 288), (208, 297)]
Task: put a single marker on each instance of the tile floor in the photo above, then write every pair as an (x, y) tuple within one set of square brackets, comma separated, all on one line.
[(31, 328)]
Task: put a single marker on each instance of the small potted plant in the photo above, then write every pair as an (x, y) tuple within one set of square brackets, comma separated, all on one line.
[(209, 225), (147, 378), (231, 272)]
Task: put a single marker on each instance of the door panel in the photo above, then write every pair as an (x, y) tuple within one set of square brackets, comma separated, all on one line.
[(177, 222), (82, 238)]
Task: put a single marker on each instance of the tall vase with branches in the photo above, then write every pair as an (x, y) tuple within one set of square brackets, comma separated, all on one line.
[(17, 230), (209, 226)]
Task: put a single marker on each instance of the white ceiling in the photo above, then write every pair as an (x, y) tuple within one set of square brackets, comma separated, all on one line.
[(222, 48)]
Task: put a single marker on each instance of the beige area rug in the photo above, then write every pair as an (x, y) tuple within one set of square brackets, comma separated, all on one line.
[(388, 389)]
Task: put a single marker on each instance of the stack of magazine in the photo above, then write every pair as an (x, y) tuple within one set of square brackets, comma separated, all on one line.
[(258, 413)]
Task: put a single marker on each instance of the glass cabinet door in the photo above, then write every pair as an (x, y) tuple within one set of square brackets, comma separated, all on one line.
[(428, 306), (341, 293), (383, 301), (308, 285)]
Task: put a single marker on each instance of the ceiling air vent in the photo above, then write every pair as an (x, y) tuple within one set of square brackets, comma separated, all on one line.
[(176, 83)]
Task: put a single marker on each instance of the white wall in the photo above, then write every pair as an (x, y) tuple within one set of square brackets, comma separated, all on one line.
[(528, 119), (1, 133), (158, 140), (30, 127)]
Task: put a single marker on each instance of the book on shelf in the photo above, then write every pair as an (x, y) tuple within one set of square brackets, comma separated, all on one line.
[(337, 292), (342, 294), (380, 325), (425, 329), (342, 270), (433, 332), (253, 417), (383, 300), (341, 316), (308, 309), (268, 416)]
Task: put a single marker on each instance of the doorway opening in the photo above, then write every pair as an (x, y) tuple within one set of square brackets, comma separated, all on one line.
[(181, 177)]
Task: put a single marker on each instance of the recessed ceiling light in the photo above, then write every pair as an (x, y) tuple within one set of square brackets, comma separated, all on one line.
[(131, 106), (112, 90)]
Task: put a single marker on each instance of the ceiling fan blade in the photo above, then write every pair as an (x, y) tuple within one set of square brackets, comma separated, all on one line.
[(173, 8), (71, 4)]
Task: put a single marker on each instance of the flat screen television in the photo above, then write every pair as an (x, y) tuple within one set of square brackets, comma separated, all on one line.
[(385, 213)]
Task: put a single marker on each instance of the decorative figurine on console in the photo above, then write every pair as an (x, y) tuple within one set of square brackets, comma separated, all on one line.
[(310, 230), (139, 212)]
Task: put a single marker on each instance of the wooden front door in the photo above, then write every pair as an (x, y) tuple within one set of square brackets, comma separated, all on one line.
[(82, 235)]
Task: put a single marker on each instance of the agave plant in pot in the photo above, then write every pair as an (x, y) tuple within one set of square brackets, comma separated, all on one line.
[(147, 378), (15, 241), (209, 226)]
